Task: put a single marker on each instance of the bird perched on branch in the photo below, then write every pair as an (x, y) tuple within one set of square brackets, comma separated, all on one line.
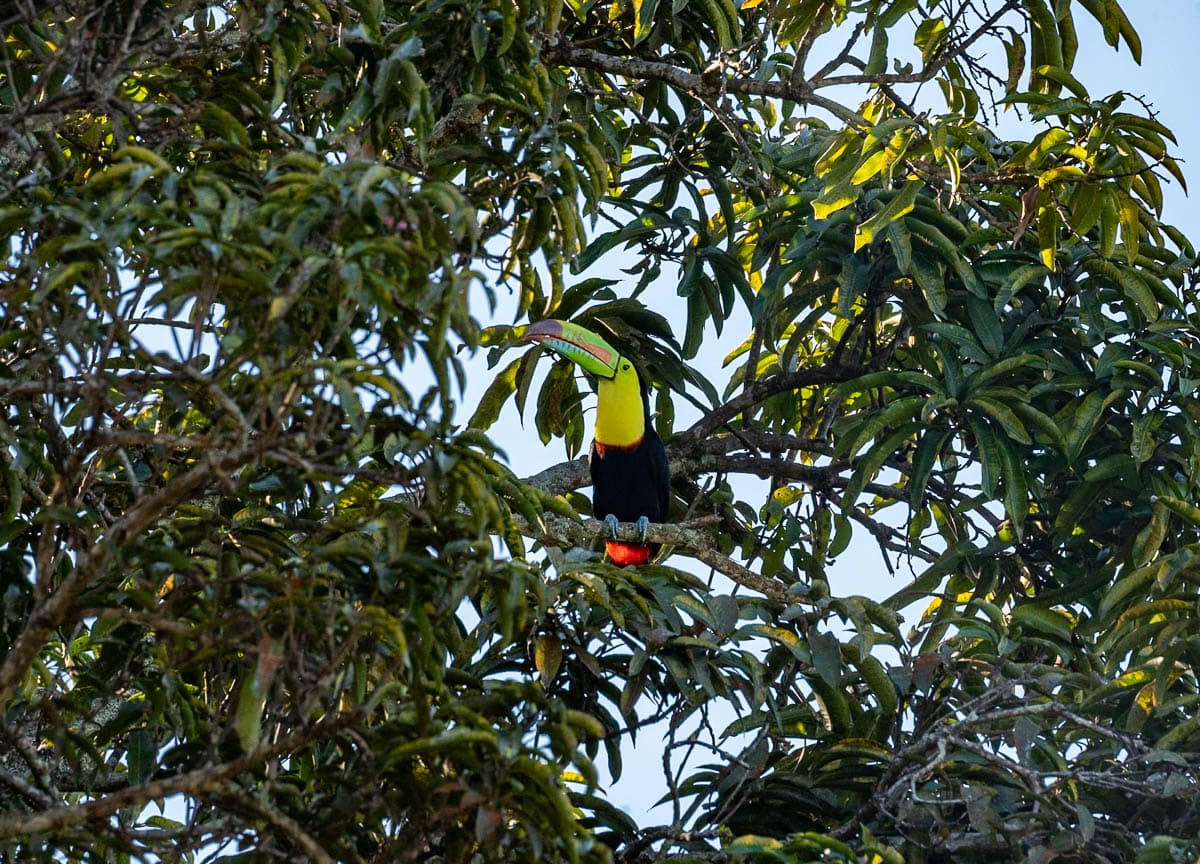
[(630, 477)]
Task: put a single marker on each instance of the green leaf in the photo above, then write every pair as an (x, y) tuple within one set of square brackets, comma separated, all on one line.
[(875, 458), (901, 203), (643, 13), (1189, 512), (929, 279), (1016, 491), (1003, 415), (557, 400), (1150, 539), (252, 700), (877, 59), (923, 462), (1086, 418), (853, 282), (1050, 141), (1020, 277), (901, 243), (1000, 369), (899, 410), (548, 656), (1063, 78), (990, 458), (826, 656), (1111, 467), (503, 386), (1143, 442), (479, 40), (985, 324), (1085, 207), (870, 166), (696, 609), (1014, 49), (1048, 223), (1131, 227), (1039, 422), (142, 753), (960, 337), (788, 639), (840, 196), (1049, 621), (1137, 292)]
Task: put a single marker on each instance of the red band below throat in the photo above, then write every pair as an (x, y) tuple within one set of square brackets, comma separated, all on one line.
[(602, 448)]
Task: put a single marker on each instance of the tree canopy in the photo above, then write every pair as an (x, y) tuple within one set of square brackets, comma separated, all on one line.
[(269, 594)]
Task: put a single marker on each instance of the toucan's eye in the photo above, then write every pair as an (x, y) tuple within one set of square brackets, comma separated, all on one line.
[(625, 368)]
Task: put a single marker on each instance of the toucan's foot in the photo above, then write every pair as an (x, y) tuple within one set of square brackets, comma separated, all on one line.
[(611, 521), (643, 524)]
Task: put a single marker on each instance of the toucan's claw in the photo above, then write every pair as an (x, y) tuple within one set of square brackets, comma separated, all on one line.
[(643, 524), (611, 521)]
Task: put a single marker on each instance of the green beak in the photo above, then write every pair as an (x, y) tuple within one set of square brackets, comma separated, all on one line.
[(578, 345)]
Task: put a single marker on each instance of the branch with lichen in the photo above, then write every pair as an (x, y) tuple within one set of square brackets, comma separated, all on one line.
[(564, 531)]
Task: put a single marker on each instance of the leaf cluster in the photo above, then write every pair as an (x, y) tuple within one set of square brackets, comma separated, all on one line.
[(253, 567)]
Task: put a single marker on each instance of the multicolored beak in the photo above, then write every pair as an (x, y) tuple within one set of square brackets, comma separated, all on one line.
[(578, 345)]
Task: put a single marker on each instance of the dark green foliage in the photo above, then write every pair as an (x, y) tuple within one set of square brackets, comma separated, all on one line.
[(256, 573)]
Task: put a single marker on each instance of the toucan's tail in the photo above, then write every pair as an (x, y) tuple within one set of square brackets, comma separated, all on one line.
[(623, 554)]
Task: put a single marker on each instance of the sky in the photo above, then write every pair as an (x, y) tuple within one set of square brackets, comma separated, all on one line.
[(1170, 32)]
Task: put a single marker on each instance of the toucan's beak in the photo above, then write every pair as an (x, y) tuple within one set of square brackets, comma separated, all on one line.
[(581, 346)]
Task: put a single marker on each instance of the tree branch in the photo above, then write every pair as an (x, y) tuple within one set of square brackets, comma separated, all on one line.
[(762, 389), (563, 531), (56, 606), (192, 783), (795, 89), (708, 83), (284, 824)]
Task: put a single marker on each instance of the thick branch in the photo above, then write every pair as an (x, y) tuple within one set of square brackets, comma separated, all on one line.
[(794, 89), (570, 55), (562, 531), (690, 459), (687, 452), (563, 477)]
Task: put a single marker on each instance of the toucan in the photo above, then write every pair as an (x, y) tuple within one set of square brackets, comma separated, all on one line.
[(630, 478)]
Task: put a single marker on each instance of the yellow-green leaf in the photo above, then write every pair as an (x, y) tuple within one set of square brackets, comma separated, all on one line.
[(898, 206), (547, 656)]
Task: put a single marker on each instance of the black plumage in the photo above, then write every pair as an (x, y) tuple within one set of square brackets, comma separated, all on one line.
[(631, 482)]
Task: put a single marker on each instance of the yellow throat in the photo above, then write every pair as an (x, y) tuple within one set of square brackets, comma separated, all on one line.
[(620, 420)]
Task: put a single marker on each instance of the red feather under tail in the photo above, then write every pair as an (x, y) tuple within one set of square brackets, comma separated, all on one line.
[(624, 554)]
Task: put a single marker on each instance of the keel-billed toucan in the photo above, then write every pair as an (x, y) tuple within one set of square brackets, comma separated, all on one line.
[(630, 478)]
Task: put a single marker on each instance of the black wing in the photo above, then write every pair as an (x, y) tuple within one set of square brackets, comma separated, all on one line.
[(660, 471)]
